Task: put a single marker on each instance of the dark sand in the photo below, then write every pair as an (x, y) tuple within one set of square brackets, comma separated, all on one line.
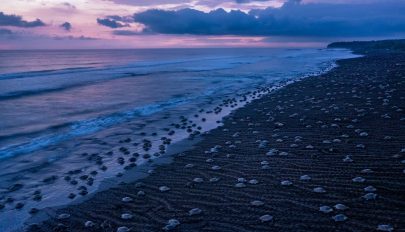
[(353, 117)]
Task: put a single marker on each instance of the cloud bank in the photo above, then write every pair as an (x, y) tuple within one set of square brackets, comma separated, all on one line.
[(126, 33), (111, 23), (294, 18), (17, 21), (66, 26), (248, 1), (5, 31)]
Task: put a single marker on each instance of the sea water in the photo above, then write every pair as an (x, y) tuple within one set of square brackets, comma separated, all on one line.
[(62, 111)]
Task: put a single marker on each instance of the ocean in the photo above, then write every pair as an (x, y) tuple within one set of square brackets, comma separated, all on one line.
[(72, 112)]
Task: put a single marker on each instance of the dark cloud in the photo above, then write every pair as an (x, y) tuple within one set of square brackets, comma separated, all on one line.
[(293, 19), (82, 37), (111, 23), (124, 19), (68, 5), (66, 26), (5, 32), (17, 21), (126, 32), (211, 3), (249, 1), (149, 2), (73, 38), (190, 21)]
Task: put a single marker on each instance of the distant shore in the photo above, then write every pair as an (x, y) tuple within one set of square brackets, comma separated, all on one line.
[(326, 153)]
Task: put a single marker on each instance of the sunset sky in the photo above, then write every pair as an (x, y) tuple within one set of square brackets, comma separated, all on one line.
[(50, 24)]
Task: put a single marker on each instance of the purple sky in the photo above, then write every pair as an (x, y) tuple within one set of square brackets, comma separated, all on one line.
[(57, 24)]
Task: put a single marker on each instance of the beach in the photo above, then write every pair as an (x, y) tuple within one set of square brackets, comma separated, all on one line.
[(90, 119), (325, 153)]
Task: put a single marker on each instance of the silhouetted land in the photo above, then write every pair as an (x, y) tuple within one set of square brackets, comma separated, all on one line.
[(369, 46)]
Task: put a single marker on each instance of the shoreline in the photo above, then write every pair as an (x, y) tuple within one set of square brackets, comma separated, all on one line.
[(229, 155), (62, 200), (147, 168)]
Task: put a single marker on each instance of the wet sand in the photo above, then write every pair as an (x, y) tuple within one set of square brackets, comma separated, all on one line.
[(326, 153)]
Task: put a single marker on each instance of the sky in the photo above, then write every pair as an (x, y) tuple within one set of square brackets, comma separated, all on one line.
[(94, 24)]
